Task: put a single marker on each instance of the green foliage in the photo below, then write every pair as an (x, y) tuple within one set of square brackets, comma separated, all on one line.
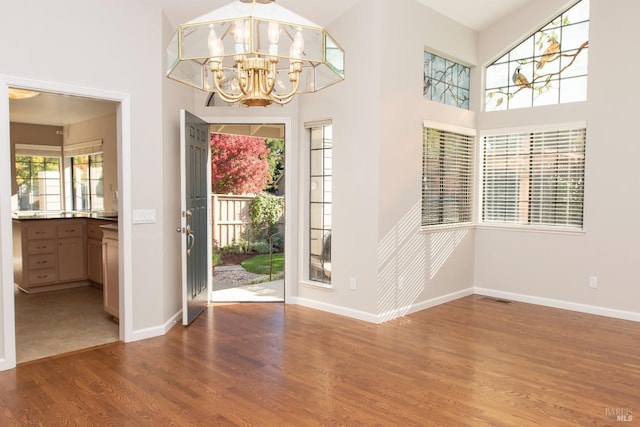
[(275, 159), (216, 259), (237, 247), (261, 247), (265, 211), (259, 264)]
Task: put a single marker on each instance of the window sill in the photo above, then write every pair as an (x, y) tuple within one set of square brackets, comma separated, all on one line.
[(446, 227), (531, 229), (317, 285)]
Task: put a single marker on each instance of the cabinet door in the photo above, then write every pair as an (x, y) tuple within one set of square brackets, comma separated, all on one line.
[(94, 261), (71, 259), (111, 288)]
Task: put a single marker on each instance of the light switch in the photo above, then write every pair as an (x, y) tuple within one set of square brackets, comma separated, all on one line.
[(145, 216)]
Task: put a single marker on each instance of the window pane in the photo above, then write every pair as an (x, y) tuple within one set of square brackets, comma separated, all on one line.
[(38, 182), (320, 204), (541, 66), (446, 81), (535, 178), (447, 177), (87, 182)]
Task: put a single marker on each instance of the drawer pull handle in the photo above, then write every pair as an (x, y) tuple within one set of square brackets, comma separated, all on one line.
[(43, 277), (70, 230), (41, 262), (41, 247)]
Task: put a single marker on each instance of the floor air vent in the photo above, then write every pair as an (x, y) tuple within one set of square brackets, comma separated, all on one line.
[(498, 300)]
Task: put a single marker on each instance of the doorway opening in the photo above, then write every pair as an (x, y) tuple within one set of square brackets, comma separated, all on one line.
[(64, 188), (248, 212)]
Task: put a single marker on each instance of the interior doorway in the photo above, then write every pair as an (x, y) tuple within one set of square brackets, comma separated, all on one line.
[(54, 108), (248, 250)]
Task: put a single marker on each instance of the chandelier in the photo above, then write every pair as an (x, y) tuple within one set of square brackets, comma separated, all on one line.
[(254, 52)]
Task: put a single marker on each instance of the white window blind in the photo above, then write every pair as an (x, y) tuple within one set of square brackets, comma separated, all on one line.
[(447, 177), (534, 178)]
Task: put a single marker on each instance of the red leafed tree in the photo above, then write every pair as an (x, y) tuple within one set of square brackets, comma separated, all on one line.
[(238, 164)]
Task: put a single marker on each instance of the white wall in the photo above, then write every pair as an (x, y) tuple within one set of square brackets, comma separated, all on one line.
[(354, 108), (429, 266), (377, 115), (114, 45), (555, 268)]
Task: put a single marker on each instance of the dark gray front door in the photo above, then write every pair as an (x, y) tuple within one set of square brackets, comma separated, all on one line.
[(195, 167)]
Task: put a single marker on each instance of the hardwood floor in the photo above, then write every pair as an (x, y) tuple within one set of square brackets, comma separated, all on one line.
[(471, 362)]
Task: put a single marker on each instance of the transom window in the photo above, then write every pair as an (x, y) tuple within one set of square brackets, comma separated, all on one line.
[(549, 67), (447, 177), (446, 81), (534, 178)]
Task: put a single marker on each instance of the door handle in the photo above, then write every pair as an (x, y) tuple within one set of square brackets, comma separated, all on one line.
[(191, 236)]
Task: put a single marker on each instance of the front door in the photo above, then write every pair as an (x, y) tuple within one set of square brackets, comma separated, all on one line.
[(195, 170)]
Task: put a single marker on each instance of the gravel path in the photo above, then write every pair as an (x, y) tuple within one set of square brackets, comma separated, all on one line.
[(232, 276)]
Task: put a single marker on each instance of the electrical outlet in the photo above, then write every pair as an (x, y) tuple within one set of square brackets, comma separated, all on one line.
[(353, 285), (593, 282)]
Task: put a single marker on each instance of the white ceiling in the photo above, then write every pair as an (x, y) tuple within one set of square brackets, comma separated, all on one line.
[(60, 110), (475, 14)]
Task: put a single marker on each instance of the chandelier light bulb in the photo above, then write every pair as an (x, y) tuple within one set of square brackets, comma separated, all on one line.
[(216, 48), (274, 32), (297, 47)]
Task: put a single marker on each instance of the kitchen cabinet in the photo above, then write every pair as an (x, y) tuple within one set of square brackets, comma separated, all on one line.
[(49, 254), (94, 251), (111, 281)]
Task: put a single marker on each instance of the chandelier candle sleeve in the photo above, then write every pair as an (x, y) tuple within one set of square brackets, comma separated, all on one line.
[(254, 52)]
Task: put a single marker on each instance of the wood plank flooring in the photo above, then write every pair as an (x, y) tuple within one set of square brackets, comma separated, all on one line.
[(471, 362)]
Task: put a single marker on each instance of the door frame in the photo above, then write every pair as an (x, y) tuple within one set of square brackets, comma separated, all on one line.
[(7, 320), (290, 189)]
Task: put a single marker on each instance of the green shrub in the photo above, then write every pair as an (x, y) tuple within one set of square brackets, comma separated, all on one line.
[(265, 211)]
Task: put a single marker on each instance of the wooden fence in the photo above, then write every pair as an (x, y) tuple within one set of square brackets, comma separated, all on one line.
[(230, 218)]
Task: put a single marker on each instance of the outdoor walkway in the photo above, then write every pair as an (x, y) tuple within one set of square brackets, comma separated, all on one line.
[(232, 284)]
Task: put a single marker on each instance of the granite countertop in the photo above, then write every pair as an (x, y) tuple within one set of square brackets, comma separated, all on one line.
[(64, 215)]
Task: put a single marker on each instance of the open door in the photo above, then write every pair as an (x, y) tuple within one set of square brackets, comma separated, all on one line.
[(195, 171)]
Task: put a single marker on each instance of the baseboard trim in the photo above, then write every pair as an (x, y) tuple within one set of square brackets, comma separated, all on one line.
[(335, 309), (565, 305), (423, 305), (156, 331), (383, 317)]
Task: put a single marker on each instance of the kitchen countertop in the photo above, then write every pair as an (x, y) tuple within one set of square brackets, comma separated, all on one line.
[(65, 215)]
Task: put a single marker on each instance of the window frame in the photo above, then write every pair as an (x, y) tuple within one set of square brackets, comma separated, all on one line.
[(69, 163), (46, 153), (472, 169), (527, 227), (465, 104), (544, 79), (308, 280)]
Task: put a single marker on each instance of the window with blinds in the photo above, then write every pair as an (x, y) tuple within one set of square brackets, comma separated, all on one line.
[(447, 177), (534, 178)]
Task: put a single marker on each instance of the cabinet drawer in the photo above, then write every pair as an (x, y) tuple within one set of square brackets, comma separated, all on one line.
[(41, 261), (35, 247), (94, 232), (39, 277), (70, 230), (46, 232)]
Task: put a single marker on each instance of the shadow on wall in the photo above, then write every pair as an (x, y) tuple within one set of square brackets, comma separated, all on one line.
[(409, 260)]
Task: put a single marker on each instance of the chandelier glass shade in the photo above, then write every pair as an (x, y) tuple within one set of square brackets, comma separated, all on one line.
[(254, 52)]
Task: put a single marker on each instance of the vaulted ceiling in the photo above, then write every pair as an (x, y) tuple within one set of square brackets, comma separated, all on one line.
[(60, 110)]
